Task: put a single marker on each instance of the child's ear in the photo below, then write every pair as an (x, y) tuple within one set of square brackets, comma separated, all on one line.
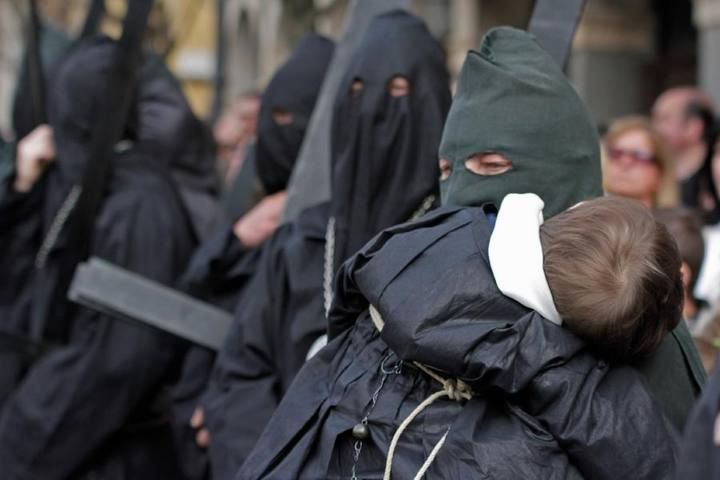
[(687, 275)]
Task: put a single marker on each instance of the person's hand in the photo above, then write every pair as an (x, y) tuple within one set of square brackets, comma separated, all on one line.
[(261, 221), (34, 153), (197, 421)]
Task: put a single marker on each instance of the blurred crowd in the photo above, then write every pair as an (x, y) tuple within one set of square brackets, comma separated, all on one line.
[(670, 162)]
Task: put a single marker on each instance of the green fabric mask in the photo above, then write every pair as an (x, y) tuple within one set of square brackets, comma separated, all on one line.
[(512, 99)]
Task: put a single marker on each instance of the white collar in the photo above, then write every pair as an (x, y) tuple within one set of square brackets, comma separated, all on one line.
[(516, 256)]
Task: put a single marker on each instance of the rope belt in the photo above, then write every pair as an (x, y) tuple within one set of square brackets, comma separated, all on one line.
[(454, 389)]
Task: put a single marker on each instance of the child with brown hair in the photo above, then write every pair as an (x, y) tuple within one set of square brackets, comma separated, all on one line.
[(610, 273)]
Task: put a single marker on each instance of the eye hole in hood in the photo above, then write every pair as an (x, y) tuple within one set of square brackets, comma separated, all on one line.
[(488, 164)]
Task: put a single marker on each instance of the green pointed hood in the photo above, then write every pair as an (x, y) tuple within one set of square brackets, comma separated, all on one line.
[(514, 100)]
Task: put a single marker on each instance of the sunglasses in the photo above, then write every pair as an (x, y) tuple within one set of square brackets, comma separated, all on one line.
[(636, 156)]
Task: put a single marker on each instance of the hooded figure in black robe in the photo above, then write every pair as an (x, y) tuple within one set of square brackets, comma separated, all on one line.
[(542, 406), (93, 404), (169, 129), (221, 267), (384, 145)]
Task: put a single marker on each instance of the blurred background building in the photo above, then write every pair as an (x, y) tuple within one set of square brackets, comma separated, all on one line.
[(625, 51)]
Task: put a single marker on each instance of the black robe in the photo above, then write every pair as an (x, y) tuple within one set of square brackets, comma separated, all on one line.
[(278, 318), (542, 403), (220, 269), (95, 402), (218, 273)]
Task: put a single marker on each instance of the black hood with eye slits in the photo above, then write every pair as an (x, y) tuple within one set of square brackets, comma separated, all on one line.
[(384, 148), (160, 123), (293, 89)]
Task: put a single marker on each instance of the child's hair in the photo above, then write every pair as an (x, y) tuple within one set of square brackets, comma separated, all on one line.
[(614, 274), (685, 226)]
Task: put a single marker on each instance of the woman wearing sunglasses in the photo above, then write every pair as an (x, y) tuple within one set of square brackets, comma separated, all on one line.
[(636, 165)]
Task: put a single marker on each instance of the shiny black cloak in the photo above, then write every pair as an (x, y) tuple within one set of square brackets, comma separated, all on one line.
[(544, 407)]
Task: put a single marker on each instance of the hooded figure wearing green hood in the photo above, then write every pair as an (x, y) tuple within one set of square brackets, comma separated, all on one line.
[(430, 370), (511, 101)]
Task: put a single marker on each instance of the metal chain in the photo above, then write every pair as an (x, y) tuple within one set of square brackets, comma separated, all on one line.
[(358, 444), (328, 276), (56, 227)]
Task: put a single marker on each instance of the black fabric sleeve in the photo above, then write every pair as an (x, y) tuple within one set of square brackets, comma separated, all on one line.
[(16, 207), (220, 269), (78, 396), (603, 417), (20, 238), (20, 223), (245, 389)]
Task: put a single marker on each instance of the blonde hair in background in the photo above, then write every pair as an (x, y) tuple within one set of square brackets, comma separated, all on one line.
[(668, 192)]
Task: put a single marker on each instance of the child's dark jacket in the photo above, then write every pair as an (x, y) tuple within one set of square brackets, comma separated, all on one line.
[(543, 405)]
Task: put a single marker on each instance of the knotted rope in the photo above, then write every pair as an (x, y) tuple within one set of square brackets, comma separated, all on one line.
[(454, 389)]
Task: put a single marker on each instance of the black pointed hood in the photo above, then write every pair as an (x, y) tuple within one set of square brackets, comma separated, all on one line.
[(293, 89), (385, 148)]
